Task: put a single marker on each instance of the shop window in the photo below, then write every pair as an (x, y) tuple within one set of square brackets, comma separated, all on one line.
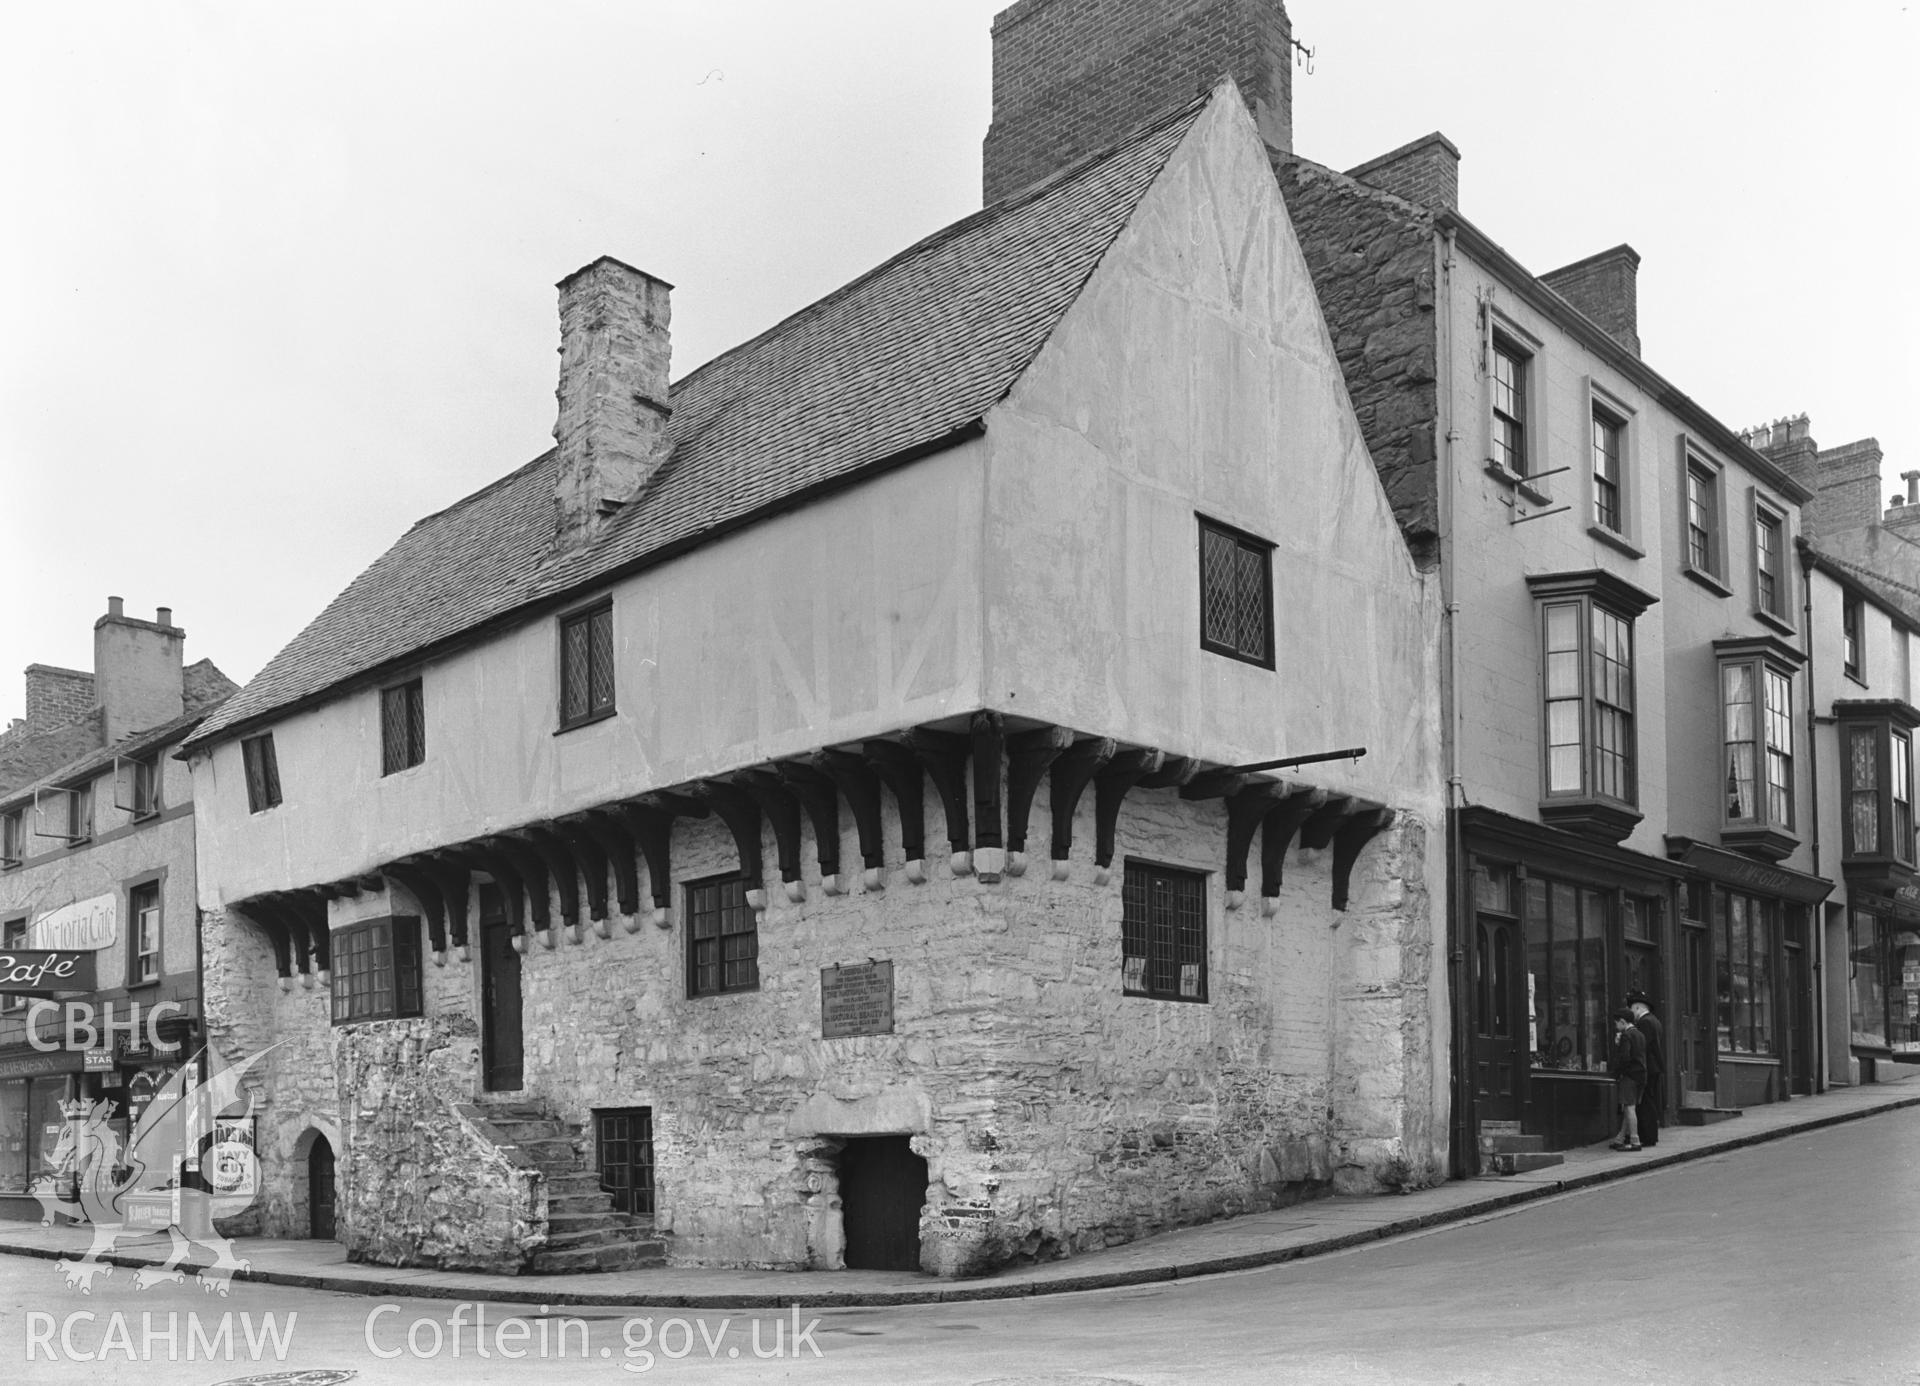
[(403, 727), (376, 970), (1163, 933), (1876, 741), (1744, 927), (263, 772), (1236, 594), (1757, 745), (723, 939), (143, 933), (1590, 768), (1567, 967), (1867, 978), (586, 666)]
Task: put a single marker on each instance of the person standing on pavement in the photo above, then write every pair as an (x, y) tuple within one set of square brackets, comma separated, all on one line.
[(1628, 1065), (1653, 1094)]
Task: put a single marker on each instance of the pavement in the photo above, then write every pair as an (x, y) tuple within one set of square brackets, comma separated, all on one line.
[(1288, 1234)]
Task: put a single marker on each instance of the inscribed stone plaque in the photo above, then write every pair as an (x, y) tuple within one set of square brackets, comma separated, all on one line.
[(856, 999)]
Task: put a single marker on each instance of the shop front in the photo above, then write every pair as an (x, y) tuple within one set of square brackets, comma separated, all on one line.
[(1562, 929), (1883, 978)]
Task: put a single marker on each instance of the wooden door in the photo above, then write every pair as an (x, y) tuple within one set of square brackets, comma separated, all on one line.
[(1499, 1020), (501, 1039), (883, 1187), (1692, 1037), (320, 1190)]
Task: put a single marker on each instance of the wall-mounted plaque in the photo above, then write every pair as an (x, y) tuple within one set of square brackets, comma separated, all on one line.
[(856, 999)]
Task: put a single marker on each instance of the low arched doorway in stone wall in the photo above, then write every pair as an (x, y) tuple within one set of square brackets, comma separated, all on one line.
[(883, 1188), (313, 1188)]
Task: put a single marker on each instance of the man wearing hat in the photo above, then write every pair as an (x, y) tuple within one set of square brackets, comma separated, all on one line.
[(1653, 1093)]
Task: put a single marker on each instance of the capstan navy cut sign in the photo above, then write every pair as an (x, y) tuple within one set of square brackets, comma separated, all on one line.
[(42, 971)]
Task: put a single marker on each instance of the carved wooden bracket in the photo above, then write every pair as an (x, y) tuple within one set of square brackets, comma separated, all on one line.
[(531, 868), (513, 888), (591, 858), (425, 888), (988, 734), (1247, 808), (860, 787), (899, 768), (268, 919), (1358, 830), (1120, 774), (782, 810), (741, 813), (561, 869), (820, 797), (1029, 754), (945, 758), (452, 881), (652, 829), (1216, 784), (1070, 774), (609, 831), (1276, 835)]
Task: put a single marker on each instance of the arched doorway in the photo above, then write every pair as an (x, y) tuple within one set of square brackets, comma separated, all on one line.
[(320, 1190)]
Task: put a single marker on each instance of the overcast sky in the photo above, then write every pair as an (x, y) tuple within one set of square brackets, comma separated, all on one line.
[(277, 279)]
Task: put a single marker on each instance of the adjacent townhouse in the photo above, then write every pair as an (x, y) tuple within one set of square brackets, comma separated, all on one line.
[(1624, 703), (954, 780), (97, 889)]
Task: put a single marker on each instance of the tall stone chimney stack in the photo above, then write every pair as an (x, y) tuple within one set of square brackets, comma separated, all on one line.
[(614, 358), (1071, 77), (136, 670)]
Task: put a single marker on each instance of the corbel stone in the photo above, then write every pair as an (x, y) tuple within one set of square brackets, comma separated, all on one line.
[(609, 829), (424, 888), (899, 768), (652, 829), (1276, 835), (1120, 774), (566, 878), (782, 810), (1355, 833), (860, 787), (1246, 808), (820, 797), (944, 756), (741, 813), (1068, 778), (989, 735), (1029, 754)]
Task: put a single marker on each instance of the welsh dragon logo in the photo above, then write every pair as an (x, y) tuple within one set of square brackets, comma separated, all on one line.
[(124, 1194)]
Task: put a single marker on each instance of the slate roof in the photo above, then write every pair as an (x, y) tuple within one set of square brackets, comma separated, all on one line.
[(1896, 596), (900, 359), (86, 767)]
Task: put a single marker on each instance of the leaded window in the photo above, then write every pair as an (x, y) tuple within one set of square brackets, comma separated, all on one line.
[(1236, 594), (1163, 933), (586, 666), (1876, 750), (403, 727), (376, 970), (723, 938)]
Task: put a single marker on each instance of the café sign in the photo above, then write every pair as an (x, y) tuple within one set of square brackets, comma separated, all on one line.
[(37, 971), (85, 924)]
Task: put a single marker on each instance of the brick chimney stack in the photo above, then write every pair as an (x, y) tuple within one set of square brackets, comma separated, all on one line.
[(136, 670), (1426, 171), (612, 427), (1071, 77), (1606, 288)]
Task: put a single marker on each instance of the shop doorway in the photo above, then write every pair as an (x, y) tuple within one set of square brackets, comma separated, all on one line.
[(501, 1039), (1499, 1031), (883, 1187), (320, 1190)]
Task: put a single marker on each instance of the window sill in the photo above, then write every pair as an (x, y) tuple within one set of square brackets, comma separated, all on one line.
[(1853, 676), (1614, 539), (401, 770), (1516, 482), (1237, 656), (1767, 843), (586, 721), (1707, 580), (1177, 1000), (1767, 618), (1606, 820)]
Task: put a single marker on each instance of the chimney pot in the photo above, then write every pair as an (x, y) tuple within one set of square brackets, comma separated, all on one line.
[(115, 607), (163, 615), (1913, 486)]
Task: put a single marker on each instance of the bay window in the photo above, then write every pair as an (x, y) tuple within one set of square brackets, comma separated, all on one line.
[(1876, 757), (1756, 737)]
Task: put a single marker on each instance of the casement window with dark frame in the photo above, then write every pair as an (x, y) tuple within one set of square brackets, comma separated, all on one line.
[(1757, 745), (143, 933), (1590, 780), (1509, 367), (1876, 756), (1772, 593), (1163, 933), (137, 786), (403, 727), (586, 666), (723, 938), (13, 838), (376, 970), (263, 772), (1236, 594), (79, 817), (1853, 636)]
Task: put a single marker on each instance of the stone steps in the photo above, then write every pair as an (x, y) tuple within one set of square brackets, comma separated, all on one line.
[(575, 1260), (585, 1232), (1707, 1116), (1523, 1161)]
